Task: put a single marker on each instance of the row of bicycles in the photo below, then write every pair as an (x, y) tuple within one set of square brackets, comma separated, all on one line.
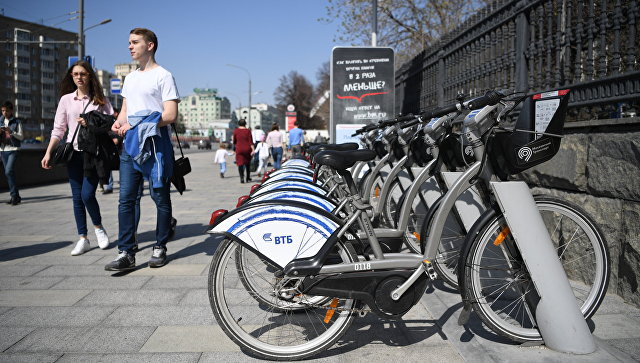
[(363, 228)]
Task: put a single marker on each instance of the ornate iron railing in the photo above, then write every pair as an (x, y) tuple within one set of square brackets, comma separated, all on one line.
[(589, 46)]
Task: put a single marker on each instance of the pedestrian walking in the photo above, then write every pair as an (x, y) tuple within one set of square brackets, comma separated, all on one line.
[(10, 138), (81, 93), (149, 106), (274, 140), (243, 141), (221, 158), (296, 140), (262, 151)]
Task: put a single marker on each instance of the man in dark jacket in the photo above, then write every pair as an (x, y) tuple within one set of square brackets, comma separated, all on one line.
[(10, 138)]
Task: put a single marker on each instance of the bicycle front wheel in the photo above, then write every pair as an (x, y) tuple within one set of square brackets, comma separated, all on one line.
[(266, 315), (499, 286)]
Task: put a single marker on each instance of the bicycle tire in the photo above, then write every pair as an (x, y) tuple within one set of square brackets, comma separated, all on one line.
[(276, 334), (501, 304)]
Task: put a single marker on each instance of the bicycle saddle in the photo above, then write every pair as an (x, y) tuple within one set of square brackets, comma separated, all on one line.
[(349, 146), (342, 160)]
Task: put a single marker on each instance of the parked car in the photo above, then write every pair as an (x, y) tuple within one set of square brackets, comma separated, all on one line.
[(185, 145), (204, 144)]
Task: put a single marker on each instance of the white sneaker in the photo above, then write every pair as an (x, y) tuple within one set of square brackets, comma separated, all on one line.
[(103, 238), (81, 247)]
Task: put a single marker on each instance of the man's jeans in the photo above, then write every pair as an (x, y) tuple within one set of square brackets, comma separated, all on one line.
[(8, 160), (277, 156), (83, 191), (130, 185)]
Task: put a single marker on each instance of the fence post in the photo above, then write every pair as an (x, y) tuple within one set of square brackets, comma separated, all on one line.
[(440, 77), (522, 44)]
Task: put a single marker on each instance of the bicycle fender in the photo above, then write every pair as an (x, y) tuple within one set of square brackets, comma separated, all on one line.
[(298, 184), (279, 231), (302, 196), (296, 162), (291, 176)]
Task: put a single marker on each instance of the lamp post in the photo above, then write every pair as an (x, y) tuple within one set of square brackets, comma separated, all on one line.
[(248, 74), (81, 29)]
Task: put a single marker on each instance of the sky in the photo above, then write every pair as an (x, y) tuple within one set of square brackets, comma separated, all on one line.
[(197, 39)]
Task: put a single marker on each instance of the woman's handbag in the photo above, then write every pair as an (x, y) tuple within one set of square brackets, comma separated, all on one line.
[(64, 152), (181, 167)]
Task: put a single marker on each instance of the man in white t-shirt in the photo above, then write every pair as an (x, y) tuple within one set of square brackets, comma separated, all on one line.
[(150, 104)]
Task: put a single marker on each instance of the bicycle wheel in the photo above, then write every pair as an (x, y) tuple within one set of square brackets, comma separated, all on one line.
[(391, 208), (498, 284), (273, 330), (451, 244)]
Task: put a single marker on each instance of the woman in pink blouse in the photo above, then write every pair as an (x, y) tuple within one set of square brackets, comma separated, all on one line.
[(274, 140), (80, 92)]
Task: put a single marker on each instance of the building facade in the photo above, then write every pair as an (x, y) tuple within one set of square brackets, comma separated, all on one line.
[(203, 110), (34, 60), (261, 114)]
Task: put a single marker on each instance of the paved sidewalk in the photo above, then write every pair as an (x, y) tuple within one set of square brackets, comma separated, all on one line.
[(59, 308)]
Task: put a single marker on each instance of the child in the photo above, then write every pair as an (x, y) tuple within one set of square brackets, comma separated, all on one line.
[(262, 151), (221, 158)]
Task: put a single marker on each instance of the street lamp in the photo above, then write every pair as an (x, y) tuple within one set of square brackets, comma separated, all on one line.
[(81, 29), (248, 74)]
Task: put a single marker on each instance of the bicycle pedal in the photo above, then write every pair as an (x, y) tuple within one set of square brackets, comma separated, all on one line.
[(429, 270)]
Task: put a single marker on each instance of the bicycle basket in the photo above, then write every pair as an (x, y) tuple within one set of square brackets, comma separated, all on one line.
[(536, 136), (418, 150), (380, 148), (397, 150), (455, 152)]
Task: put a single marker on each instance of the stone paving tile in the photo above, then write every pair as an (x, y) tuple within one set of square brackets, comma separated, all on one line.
[(29, 283), (197, 297), (435, 354), (131, 358), (24, 238), (180, 282), (171, 269), (132, 297), (55, 316), (616, 326), (630, 346), (61, 260), (28, 357), (11, 335), (93, 339), (102, 282), (20, 270), (78, 270), (160, 315), (241, 357), (189, 339), (41, 297)]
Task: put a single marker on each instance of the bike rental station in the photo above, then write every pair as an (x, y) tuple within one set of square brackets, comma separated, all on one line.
[(364, 225)]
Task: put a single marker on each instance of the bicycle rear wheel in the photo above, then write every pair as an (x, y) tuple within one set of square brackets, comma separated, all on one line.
[(272, 320), (498, 285)]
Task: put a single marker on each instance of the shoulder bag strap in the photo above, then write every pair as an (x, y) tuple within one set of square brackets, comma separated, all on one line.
[(78, 127), (177, 138)]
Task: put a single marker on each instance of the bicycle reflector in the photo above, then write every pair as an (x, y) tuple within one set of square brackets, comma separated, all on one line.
[(253, 188), (241, 200), (217, 214), (265, 176)]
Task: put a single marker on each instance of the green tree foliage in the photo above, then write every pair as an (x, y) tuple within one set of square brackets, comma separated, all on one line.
[(409, 26)]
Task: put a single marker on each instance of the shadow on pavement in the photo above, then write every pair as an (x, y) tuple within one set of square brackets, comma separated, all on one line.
[(45, 198), (13, 253)]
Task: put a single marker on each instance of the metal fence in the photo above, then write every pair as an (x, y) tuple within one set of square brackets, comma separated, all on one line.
[(589, 46)]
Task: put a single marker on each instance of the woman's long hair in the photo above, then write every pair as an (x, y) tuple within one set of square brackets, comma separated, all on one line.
[(95, 89)]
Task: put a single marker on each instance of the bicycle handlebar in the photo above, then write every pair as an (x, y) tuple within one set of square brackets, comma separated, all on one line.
[(489, 99)]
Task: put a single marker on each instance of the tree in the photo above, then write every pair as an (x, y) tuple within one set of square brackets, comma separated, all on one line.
[(409, 26), (295, 89), (321, 109)]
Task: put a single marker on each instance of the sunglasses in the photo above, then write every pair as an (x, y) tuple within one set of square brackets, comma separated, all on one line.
[(79, 74)]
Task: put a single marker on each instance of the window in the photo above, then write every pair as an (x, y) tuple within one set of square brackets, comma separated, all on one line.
[(23, 60), (24, 108)]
